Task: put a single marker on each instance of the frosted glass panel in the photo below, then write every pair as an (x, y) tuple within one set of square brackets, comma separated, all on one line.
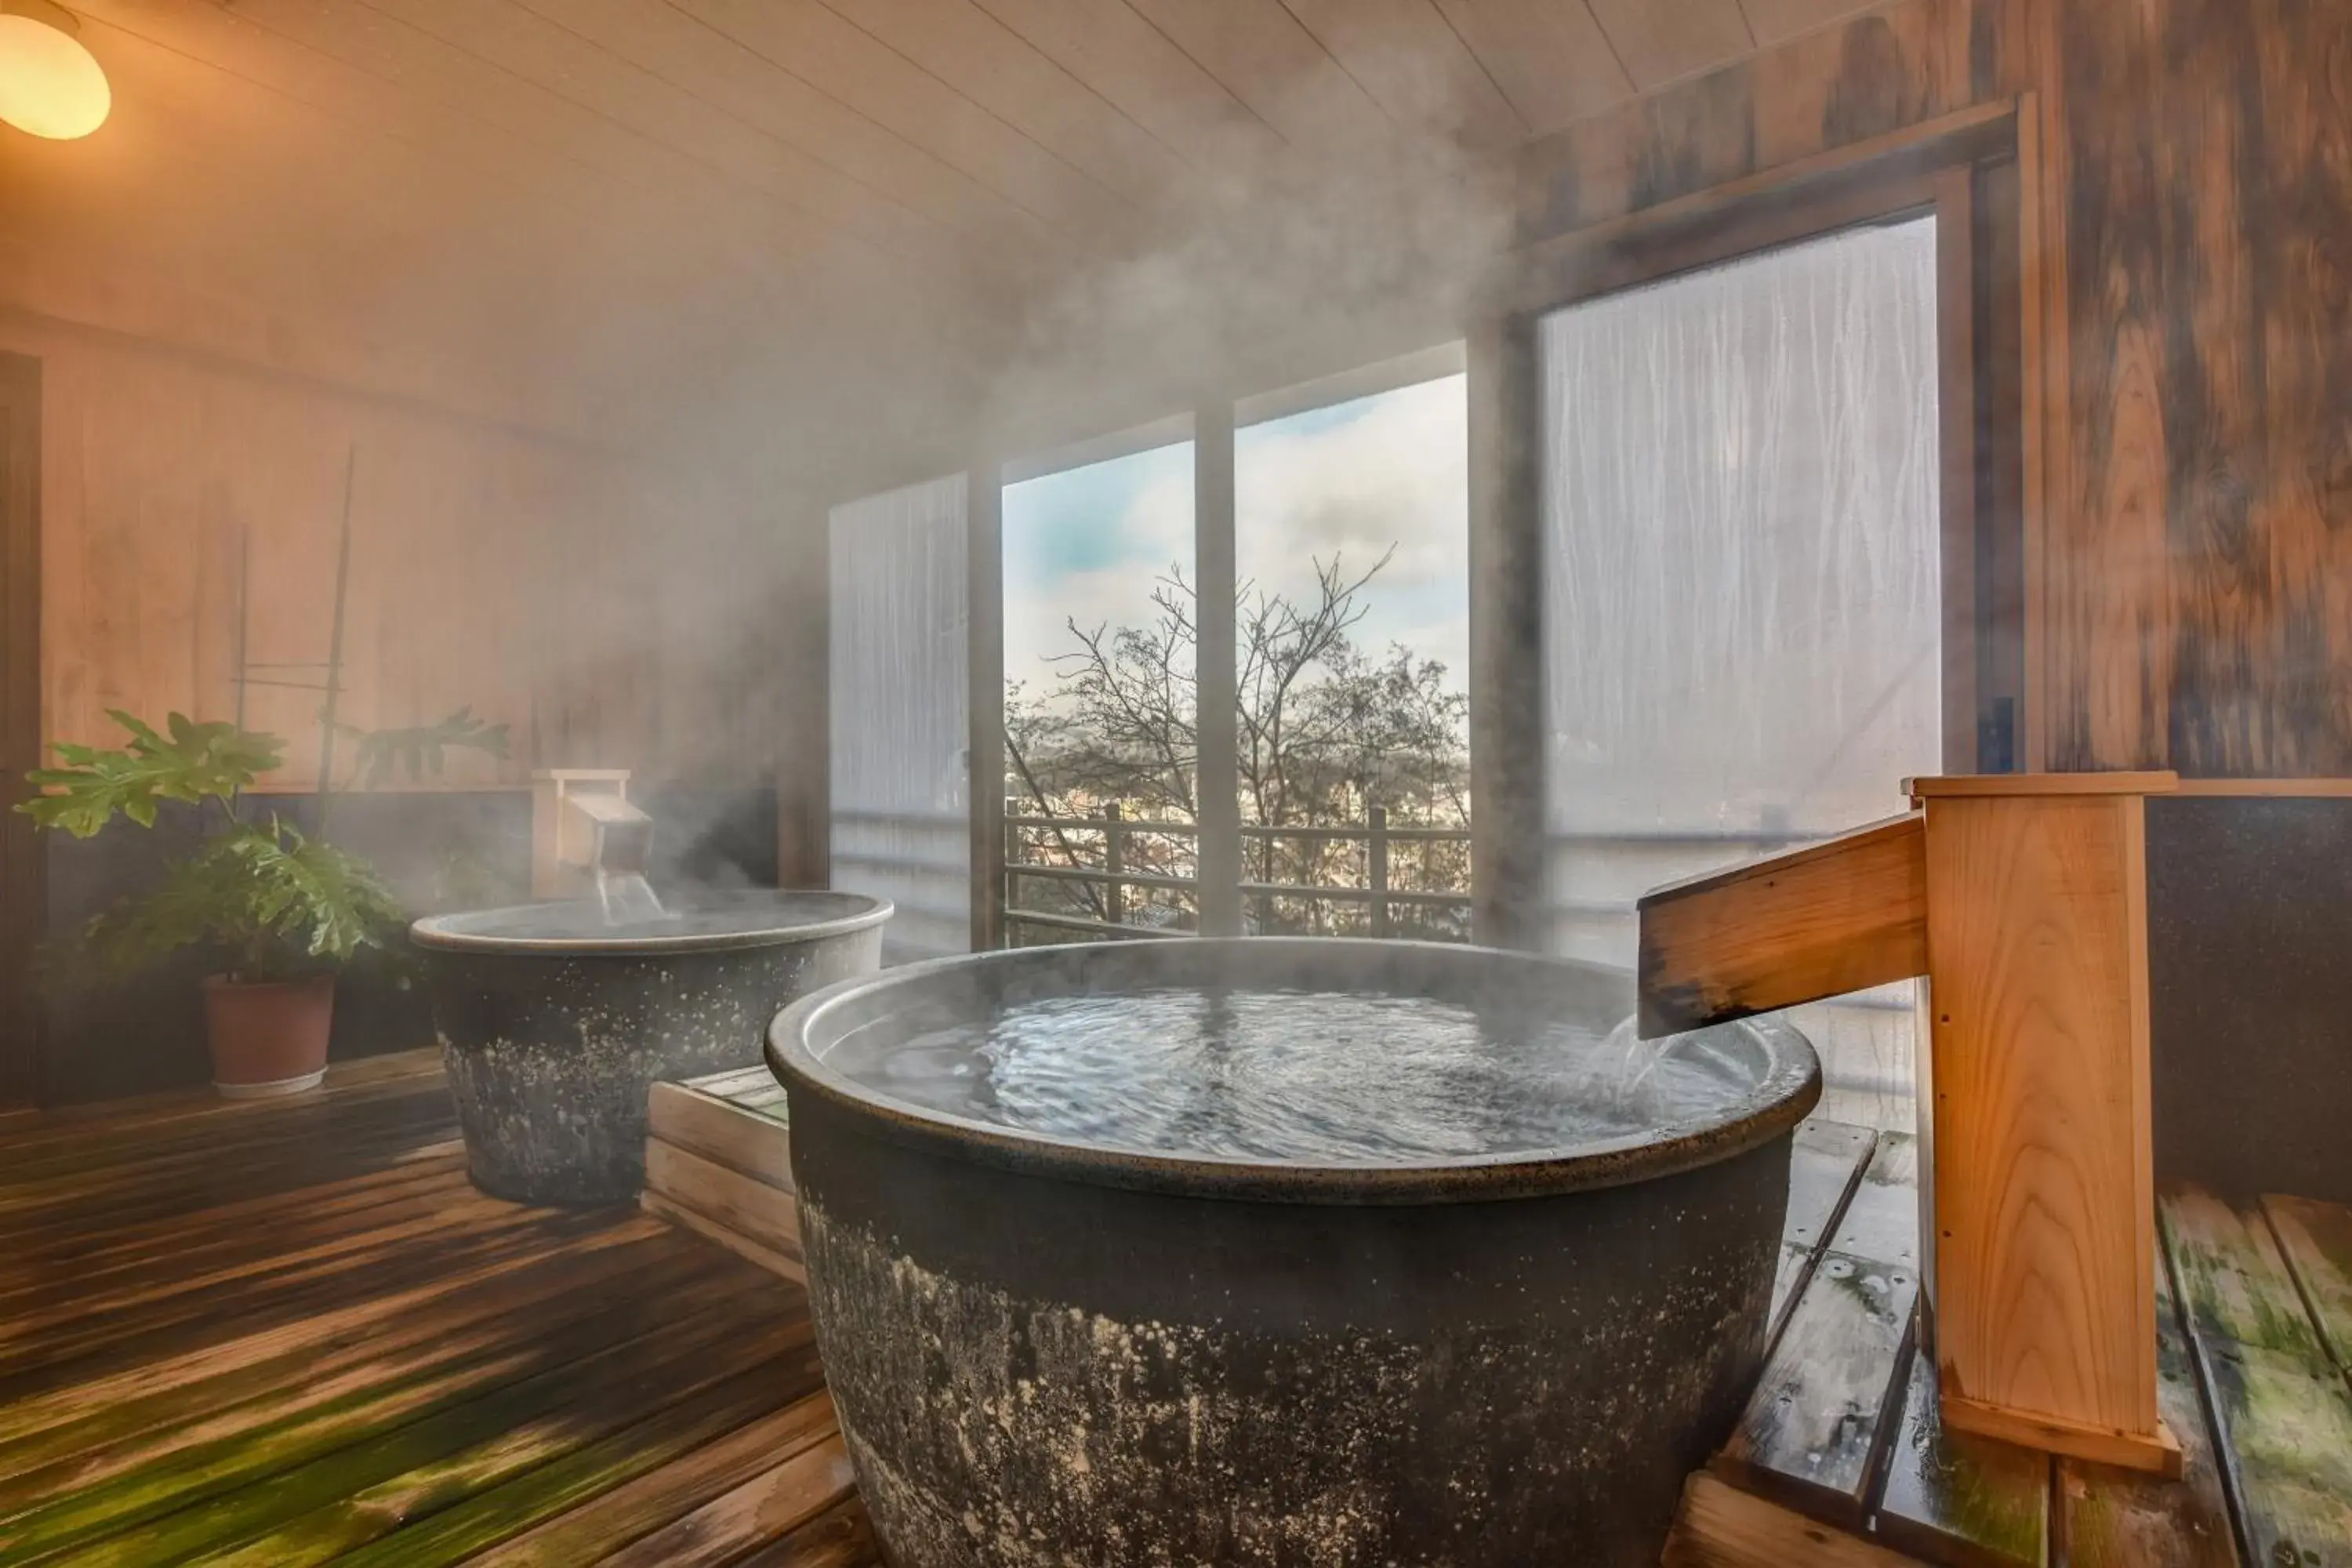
[(1741, 620), (901, 811)]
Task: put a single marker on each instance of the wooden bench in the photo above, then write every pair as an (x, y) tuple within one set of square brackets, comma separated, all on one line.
[(719, 1162)]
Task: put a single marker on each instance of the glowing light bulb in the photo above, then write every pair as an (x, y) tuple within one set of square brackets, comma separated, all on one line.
[(49, 85)]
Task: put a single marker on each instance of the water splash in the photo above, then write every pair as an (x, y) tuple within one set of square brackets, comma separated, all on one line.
[(627, 899)]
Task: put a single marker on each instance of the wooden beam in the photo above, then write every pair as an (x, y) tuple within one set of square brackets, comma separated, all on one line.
[(1507, 722), (1217, 791), (984, 674), (1819, 922), (1723, 1527)]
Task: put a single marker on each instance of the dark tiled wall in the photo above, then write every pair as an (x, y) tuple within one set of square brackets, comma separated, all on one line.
[(2250, 961)]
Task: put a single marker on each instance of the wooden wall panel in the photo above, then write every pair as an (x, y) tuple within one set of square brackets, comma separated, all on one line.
[(612, 617), (2200, 569)]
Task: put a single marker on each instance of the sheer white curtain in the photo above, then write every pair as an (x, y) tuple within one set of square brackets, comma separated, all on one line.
[(901, 788), (1741, 621)]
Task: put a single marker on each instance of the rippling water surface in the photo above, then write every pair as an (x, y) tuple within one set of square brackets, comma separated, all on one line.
[(1327, 1076)]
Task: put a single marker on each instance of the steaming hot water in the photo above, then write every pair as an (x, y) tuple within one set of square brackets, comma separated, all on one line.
[(626, 899), (1328, 1077)]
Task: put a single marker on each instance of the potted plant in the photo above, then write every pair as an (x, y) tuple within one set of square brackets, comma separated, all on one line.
[(281, 911)]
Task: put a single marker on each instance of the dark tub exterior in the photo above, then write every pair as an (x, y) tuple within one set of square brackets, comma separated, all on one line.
[(553, 1043), (1045, 1352)]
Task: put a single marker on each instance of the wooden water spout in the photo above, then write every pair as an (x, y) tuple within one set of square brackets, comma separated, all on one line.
[(2023, 900)]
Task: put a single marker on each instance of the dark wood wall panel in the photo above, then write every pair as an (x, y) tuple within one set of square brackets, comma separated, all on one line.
[(1895, 68), (2200, 564), (2193, 577)]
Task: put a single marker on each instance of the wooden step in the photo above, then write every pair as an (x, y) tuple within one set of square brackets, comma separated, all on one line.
[(719, 1162)]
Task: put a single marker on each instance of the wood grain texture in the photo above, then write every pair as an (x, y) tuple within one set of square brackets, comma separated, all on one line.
[(1815, 923), (2197, 563), (545, 1387), (737, 1137), (2044, 1246), (1723, 1527)]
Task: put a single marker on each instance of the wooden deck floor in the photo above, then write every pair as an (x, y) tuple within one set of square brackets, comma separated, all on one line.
[(292, 1332), (1840, 1461)]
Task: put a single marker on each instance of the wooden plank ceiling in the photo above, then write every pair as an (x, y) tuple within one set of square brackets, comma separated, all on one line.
[(619, 188)]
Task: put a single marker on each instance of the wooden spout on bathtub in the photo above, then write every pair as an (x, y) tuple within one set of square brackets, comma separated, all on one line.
[(2023, 899), (1819, 922)]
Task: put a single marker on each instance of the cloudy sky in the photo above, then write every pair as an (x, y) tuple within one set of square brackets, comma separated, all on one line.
[(1351, 480)]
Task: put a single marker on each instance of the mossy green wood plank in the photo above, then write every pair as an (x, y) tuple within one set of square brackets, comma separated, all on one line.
[(1820, 1412), (1881, 1220), (481, 1325), (2285, 1429), (345, 1323), (620, 1381), (2317, 1239), (88, 1347), (765, 1509), (579, 1481), (1954, 1497), (446, 1513), (841, 1537), (522, 1370), (2110, 1518), (2233, 1282), (626, 1512)]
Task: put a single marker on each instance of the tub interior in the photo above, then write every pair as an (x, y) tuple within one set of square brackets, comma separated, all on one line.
[(1341, 1054)]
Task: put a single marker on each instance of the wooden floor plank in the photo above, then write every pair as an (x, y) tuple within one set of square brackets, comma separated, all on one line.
[(2316, 1239), (763, 1509), (597, 1293), (358, 1320), (1954, 1497), (291, 1331), (2282, 1409), (1724, 1527), (1826, 1160), (2111, 1517), (630, 1512), (345, 1478), (2234, 1280), (2286, 1444), (448, 1512), (1832, 1388)]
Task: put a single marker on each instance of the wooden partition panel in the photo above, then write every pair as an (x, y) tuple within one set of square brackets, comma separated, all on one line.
[(2044, 1182)]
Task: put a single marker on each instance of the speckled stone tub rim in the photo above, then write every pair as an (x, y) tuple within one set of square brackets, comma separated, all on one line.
[(1783, 1096), (858, 911)]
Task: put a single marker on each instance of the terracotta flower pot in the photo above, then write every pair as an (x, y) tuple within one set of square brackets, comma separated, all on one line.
[(269, 1036)]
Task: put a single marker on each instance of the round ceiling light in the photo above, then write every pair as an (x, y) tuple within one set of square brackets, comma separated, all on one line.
[(49, 85)]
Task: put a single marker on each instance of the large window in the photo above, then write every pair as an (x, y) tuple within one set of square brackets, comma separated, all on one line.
[(900, 727), (1741, 618), (1352, 662), (1101, 737)]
